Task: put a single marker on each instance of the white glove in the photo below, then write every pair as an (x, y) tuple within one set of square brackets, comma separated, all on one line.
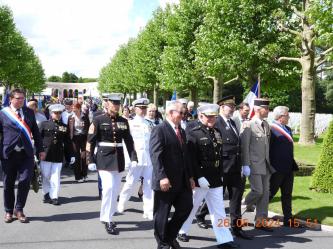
[(222, 178), (134, 163), (246, 171), (203, 183), (72, 160), (92, 166)]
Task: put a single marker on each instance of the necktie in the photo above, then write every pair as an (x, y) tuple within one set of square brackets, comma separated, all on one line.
[(263, 126), (179, 135), (231, 126), (18, 113)]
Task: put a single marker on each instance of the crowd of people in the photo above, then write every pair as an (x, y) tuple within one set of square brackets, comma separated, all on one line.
[(189, 160)]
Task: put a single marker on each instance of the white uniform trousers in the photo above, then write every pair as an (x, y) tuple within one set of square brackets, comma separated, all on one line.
[(214, 200), (111, 181), (51, 178), (132, 177)]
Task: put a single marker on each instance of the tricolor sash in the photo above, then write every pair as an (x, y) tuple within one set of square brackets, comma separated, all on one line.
[(19, 122), (280, 130)]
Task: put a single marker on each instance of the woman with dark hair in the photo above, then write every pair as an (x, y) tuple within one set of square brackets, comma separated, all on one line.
[(126, 112), (78, 125)]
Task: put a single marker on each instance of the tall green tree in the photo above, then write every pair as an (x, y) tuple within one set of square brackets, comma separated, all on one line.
[(178, 59), (239, 41), (311, 24), (19, 65)]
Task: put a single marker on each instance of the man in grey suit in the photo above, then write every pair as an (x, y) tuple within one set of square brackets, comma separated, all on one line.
[(255, 160)]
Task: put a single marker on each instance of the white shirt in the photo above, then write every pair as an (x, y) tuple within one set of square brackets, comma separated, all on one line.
[(172, 124), (21, 112)]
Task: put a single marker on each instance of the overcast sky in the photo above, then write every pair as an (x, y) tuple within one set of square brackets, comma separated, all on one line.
[(79, 36)]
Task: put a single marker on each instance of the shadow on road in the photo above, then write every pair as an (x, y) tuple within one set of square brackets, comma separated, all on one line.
[(66, 217)]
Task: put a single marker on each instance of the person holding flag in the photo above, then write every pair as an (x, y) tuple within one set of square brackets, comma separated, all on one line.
[(19, 132)]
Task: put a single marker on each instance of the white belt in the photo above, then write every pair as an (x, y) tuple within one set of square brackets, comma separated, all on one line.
[(110, 144)]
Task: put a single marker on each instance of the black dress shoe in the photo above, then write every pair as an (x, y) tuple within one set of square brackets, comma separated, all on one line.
[(228, 245), (202, 224), (111, 228), (47, 198), (183, 237), (241, 234), (263, 228), (175, 244), (55, 202)]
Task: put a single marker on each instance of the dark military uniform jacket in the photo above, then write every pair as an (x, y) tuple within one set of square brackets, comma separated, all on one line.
[(55, 137), (109, 129), (205, 146), (231, 146)]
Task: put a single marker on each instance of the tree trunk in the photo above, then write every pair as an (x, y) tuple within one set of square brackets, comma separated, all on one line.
[(194, 95), (155, 94), (217, 88), (307, 131)]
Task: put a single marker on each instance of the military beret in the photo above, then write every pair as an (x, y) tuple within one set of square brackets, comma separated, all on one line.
[(228, 100), (209, 109), (140, 102), (56, 108), (261, 102)]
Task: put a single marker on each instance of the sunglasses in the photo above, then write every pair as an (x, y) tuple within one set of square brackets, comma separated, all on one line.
[(57, 112)]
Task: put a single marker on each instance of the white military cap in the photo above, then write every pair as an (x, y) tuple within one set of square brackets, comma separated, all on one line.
[(203, 103), (209, 109), (105, 95), (183, 101), (56, 108), (141, 102)]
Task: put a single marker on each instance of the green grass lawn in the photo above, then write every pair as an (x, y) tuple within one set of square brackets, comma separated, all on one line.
[(307, 204), (308, 154)]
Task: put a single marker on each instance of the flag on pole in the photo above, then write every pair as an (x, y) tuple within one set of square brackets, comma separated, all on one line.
[(6, 99), (251, 96), (174, 95)]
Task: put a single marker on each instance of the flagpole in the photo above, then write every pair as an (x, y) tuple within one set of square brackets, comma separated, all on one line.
[(259, 87)]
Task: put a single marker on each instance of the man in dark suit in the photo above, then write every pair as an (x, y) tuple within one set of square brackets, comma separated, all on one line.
[(281, 154), (19, 135), (232, 170), (172, 179)]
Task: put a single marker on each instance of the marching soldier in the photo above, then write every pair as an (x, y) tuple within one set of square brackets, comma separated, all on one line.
[(55, 138), (140, 131), (255, 141), (205, 144), (107, 132)]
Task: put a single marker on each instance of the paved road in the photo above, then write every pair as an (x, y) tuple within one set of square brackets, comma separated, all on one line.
[(75, 224)]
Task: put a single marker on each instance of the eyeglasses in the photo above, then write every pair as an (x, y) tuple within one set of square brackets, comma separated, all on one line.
[(57, 112), (180, 112)]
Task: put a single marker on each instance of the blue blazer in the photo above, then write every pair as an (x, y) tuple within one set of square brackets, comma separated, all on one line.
[(281, 152), (10, 134)]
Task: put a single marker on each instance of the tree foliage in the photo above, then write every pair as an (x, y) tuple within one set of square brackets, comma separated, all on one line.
[(322, 179), (19, 65)]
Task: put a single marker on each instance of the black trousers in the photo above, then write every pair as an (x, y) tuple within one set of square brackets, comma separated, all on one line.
[(235, 184), (80, 165), (285, 182), (165, 230), (21, 165)]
